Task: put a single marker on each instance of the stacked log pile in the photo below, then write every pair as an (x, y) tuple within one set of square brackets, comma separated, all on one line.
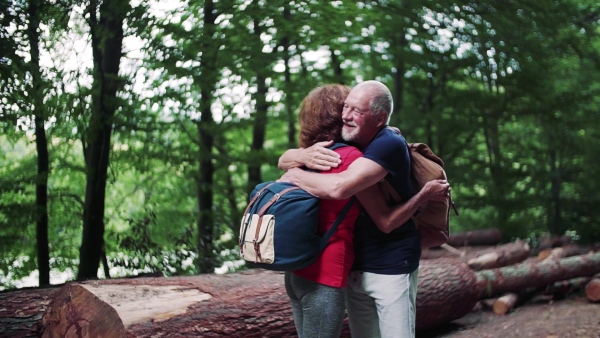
[(254, 303), (484, 252)]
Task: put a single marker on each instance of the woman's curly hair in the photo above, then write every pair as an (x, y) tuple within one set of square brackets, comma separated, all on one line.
[(321, 114)]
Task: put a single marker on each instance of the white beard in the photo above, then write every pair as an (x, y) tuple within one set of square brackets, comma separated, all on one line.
[(349, 135)]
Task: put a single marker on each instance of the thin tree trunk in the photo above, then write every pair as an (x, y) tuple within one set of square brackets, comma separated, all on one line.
[(206, 127), (561, 289), (560, 252), (400, 65), (260, 120), (41, 143), (289, 110), (495, 162), (555, 222), (491, 236), (504, 255), (107, 41), (338, 72), (289, 92)]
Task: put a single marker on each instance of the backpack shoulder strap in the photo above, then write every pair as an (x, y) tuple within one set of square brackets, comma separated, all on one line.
[(424, 150), (334, 226), (343, 213), (337, 145)]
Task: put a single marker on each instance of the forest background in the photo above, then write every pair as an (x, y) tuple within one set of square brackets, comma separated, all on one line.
[(133, 130)]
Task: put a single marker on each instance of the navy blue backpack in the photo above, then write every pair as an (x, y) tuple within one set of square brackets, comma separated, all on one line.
[(279, 228)]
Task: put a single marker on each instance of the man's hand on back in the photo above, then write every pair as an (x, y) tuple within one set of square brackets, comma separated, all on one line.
[(319, 157), (291, 176)]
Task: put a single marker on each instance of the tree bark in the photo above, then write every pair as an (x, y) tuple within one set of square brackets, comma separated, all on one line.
[(254, 303), (561, 289), (107, 40), (255, 158), (503, 255), (204, 181), (41, 144), (560, 252), (247, 304), (287, 75), (476, 237), (531, 274), (469, 252), (549, 242), (21, 311)]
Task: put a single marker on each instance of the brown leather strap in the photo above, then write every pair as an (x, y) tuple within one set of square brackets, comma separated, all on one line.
[(250, 204), (390, 194), (274, 199), (258, 229), (256, 197), (261, 213)]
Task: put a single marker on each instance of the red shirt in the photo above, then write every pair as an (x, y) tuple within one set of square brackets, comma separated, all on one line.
[(333, 266)]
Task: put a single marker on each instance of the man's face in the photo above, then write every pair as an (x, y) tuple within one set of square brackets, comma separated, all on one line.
[(360, 126)]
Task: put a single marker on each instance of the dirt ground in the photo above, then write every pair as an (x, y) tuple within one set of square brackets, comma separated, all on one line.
[(574, 317)]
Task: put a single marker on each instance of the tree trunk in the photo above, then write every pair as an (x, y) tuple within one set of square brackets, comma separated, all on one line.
[(531, 274), (444, 294), (289, 92), (255, 158), (204, 182), (549, 242), (399, 46), (41, 144), (561, 289), (254, 303), (554, 206), (510, 300), (247, 304), (592, 289), (467, 252), (503, 255), (505, 303), (561, 252), (21, 311), (476, 237), (107, 40), (558, 290)]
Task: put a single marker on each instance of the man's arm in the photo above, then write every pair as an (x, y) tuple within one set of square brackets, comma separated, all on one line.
[(389, 218), (362, 173), (316, 157)]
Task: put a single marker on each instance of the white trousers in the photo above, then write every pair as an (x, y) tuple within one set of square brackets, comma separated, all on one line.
[(382, 305)]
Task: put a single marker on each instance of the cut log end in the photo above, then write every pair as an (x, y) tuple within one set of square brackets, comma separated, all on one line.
[(505, 303), (75, 312), (592, 290)]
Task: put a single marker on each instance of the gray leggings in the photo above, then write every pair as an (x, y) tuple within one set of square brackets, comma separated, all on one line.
[(318, 309)]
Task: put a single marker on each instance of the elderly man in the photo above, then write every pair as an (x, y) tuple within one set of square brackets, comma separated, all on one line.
[(382, 288)]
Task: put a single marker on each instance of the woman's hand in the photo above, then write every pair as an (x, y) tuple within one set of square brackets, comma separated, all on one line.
[(436, 190)]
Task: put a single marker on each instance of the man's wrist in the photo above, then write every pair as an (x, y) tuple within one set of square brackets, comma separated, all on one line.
[(302, 160)]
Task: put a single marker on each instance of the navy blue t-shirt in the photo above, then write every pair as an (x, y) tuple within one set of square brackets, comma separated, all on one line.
[(399, 251)]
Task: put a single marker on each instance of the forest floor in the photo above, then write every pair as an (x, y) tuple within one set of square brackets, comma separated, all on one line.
[(574, 317)]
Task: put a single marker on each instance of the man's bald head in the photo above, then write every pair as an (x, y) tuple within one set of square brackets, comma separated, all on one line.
[(381, 100)]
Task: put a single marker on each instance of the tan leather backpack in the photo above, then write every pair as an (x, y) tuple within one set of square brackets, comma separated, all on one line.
[(432, 220)]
